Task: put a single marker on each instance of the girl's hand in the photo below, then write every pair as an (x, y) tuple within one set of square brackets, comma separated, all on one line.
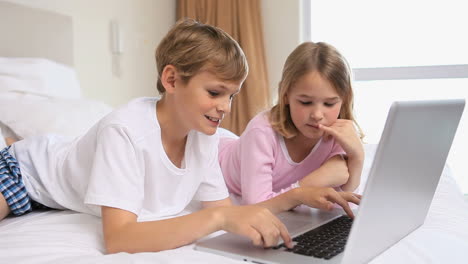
[(256, 223), (346, 135), (324, 198)]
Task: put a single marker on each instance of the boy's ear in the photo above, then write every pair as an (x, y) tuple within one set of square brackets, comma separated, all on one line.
[(168, 78)]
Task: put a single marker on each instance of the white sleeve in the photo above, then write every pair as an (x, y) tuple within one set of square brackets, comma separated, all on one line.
[(115, 180), (213, 187)]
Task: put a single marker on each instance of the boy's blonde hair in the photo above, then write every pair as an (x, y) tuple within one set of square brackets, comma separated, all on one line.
[(192, 47), (309, 57)]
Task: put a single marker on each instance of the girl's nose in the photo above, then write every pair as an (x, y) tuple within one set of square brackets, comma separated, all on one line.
[(316, 115)]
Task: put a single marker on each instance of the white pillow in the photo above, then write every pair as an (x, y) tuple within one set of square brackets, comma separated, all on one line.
[(28, 115), (38, 76), (2, 139), (224, 133)]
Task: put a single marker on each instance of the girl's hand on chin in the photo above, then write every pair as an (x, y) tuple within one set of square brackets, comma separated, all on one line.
[(345, 134)]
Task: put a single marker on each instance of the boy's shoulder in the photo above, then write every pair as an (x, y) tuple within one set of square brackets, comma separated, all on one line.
[(137, 115), (137, 105)]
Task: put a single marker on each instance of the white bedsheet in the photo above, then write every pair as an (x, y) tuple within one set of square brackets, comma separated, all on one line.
[(70, 237)]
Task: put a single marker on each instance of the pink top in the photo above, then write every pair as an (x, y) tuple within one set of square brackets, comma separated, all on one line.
[(257, 166)]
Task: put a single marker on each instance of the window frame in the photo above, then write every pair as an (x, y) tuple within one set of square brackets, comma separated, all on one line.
[(386, 73)]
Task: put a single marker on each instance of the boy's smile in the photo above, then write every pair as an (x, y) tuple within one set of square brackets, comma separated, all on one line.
[(215, 121)]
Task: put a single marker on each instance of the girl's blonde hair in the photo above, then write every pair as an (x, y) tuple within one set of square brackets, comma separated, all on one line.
[(309, 57), (192, 47)]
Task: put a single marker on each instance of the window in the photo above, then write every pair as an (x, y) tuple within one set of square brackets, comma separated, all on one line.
[(399, 50)]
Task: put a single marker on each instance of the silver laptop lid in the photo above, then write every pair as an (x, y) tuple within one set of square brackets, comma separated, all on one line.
[(410, 158)]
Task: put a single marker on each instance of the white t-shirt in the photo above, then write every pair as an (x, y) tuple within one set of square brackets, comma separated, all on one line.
[(121, 163)]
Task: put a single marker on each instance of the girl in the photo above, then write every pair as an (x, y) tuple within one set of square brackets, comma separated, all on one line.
[(140, 166), (307, 139)]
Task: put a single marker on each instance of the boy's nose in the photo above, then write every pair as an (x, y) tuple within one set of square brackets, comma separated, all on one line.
[(224, 107)]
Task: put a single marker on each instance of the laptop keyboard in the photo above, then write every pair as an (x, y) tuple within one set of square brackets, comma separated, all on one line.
[(325, 241)]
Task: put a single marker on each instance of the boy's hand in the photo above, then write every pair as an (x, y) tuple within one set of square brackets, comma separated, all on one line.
[(256, 223), (345, 134), (324, 198)]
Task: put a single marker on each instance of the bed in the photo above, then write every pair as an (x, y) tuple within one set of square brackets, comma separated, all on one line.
[(71, 237)]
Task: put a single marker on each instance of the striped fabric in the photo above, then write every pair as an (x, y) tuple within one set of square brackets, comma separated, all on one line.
[(11, 185)]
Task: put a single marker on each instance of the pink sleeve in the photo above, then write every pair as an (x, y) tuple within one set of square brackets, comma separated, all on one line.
[(257, 161), (336, 150)]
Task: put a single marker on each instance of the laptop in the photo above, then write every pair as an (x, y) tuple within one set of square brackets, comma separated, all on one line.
[(402, 181)]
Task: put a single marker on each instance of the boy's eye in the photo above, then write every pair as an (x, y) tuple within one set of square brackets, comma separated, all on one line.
[(213, 93)]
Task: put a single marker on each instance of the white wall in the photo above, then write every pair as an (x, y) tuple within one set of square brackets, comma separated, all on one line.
[(281, 30), (143, 24)]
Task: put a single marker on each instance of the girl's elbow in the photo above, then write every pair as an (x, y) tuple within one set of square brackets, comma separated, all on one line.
[(343, 177), (346, 188), (351, 187)]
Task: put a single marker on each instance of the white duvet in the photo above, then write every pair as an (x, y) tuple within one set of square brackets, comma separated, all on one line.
[(70, 237)]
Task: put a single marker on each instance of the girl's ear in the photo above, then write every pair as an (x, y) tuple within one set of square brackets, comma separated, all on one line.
[(286, 99), (340, 114), (168, 78)]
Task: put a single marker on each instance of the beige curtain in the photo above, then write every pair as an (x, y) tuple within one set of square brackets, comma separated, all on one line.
[(242, 20)]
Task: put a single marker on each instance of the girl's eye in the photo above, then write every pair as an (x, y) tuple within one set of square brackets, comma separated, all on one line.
[(213, 93), (305, 102), (329, 104)]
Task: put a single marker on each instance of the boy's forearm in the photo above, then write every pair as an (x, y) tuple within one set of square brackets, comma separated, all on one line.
[(166, 234), (355, 169)]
